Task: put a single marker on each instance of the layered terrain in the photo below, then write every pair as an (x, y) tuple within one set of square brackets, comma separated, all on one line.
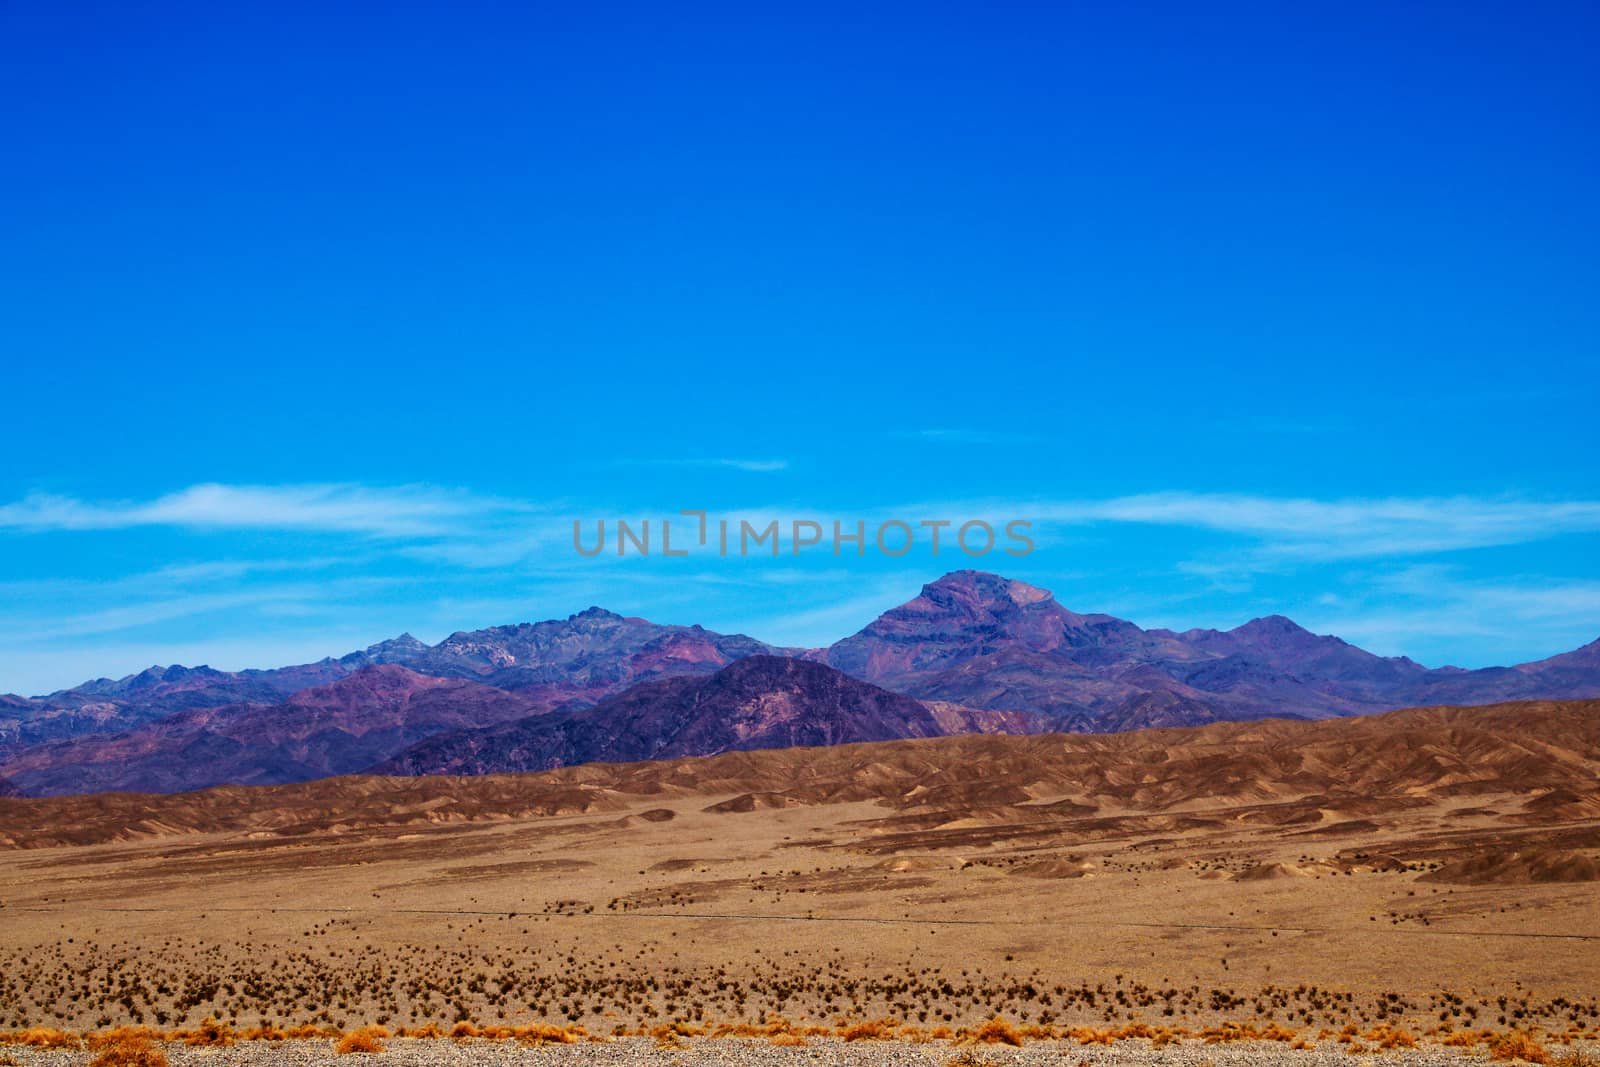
[(574, 661), (758, 702), (973, 652), (1420, 869), (986, 641), (339, 728)]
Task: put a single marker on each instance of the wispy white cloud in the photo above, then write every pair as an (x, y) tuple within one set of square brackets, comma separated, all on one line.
[(1432, 607), (146, 611), (754, 466), (830, 612), (427, 557), (1346, 528), (492, 527), (399, 511)]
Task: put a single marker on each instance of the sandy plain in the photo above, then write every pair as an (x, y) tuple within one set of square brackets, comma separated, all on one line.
[(1432, 871)]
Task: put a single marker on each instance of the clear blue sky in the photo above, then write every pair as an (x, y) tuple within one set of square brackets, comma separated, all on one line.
[(1265, 308)]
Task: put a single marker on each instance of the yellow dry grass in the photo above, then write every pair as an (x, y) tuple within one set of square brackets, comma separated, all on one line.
[(368, 1039)]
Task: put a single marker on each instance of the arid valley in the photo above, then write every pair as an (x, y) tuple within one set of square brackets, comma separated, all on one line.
[(1433, 873), (750, 535)]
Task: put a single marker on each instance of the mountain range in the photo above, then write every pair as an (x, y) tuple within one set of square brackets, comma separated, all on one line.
[(972, 653)]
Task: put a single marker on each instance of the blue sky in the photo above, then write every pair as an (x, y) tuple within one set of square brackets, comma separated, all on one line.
[(317, 328)]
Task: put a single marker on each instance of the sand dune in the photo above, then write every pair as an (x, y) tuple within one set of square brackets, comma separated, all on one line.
[(1427, 865), (1322, 776)]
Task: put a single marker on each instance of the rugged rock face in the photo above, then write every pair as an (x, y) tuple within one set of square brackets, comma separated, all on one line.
[(569, 662), (107, 706), (758, 702), (594, 651), (973, 652), (989, 642), (326, 730)]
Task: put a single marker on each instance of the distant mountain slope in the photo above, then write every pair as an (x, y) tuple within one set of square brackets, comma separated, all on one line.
[(106, 706), (562, 662), (596, 650), (991, 642), (983, 653), (326, 730), (756, 702)]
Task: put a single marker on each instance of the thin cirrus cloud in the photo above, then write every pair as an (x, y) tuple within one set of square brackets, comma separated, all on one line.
[(417, 555), (402, 511), (752, 466), (1411, 608), (755, 466), (1285, 527), (146, 608), (1342, 529)]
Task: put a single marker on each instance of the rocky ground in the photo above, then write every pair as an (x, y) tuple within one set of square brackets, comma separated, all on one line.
[(695, 1052)]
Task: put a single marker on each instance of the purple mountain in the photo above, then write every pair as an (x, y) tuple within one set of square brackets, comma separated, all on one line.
[(571, 662), (332, 729), (990, 642), (758, 702), (973, 651)]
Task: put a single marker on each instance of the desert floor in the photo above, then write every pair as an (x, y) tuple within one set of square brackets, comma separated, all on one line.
[(714, 908), (806, 912), (645, 1052)]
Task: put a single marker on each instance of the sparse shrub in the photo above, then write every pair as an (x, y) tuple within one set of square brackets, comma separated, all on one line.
[(670, 1035), (1466, 1039), (872, 1030), (210, 1034), (42, 1037), (107, 1038), (264, 1033), (366, 1039), (1229, 1032), (1518, 1045), (788, 1040), (130, 1050), (996, 1031), (544, 1034), (1392, 1037)]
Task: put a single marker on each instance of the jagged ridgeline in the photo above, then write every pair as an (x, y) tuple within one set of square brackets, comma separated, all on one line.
[(973, 652)]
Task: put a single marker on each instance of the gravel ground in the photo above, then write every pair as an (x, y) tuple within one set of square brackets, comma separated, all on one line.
[(821, 1052)]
